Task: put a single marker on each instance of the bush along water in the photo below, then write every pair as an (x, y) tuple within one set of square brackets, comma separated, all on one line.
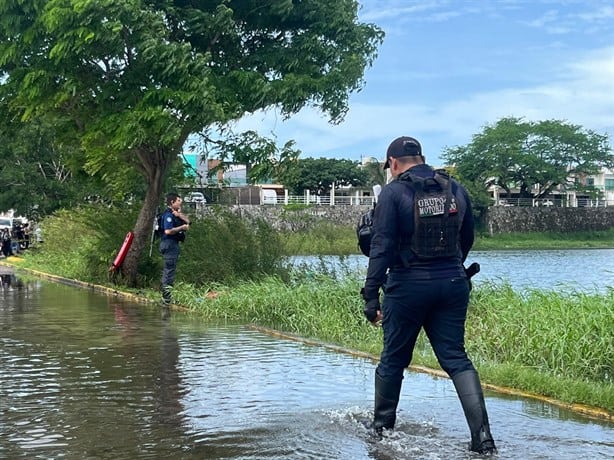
[(220, 247)]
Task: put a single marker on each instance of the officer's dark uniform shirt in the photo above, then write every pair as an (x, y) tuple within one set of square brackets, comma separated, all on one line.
[(393, 225), (170, 221)]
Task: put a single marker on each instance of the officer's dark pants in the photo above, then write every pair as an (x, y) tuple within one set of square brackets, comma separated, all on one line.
[(440, 307), (170, 253)]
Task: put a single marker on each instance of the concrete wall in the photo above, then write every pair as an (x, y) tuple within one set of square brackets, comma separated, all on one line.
[(301, 219), (498, 219), (507, 219)]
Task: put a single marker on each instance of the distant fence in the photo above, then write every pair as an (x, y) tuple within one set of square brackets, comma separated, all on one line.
[(327, 200), (554, 202), (253, 195)]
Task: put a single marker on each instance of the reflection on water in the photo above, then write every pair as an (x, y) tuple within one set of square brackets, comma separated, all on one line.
[(85, 376), (571, 269)]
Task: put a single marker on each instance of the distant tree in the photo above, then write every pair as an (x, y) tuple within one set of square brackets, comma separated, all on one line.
[(375, 172), (535, 157), (319, 175), (136, 78)]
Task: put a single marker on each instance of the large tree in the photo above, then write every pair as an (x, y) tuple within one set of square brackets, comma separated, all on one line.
[(321, 174), (40, 173), (137, 77), (534, 157)]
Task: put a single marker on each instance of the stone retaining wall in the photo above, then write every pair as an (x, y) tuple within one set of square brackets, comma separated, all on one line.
[(301, 219), (498, 219), (507, 219)]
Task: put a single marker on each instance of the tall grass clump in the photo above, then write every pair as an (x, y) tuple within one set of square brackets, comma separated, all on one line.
[(221, 247), (224, 247), (81, 243), (321, 238), (567, 335)]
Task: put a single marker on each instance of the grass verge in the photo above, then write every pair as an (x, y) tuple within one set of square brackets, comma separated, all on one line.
[(331, 239), (560, 346)]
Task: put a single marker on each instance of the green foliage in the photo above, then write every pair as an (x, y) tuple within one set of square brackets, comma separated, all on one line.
[(534, 157), (566, 335), (319, 175), (296, 207), (82, 244), (321, 238), (225, 247), (40, 173), (263, 159)]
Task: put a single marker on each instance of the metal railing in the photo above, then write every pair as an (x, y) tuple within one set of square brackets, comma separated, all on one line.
[(327, 200), (554, 202)]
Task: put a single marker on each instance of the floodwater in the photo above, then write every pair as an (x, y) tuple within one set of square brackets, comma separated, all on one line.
[(85, 376), (586, 270)]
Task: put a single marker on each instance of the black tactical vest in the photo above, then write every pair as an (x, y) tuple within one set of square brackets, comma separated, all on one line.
[(437, 218)]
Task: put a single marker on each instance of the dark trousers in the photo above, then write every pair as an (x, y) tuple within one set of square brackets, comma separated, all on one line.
[(440, 307), (170, 253)]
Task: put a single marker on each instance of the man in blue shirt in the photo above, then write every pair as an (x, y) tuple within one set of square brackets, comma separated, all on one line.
[(422, 232), (175, 224)]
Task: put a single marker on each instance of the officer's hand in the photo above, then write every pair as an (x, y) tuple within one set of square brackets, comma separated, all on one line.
[(373, 311)]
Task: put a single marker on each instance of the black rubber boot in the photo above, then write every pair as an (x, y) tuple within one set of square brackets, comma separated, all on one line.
[(386, 401), (166, 295), (469, 391)]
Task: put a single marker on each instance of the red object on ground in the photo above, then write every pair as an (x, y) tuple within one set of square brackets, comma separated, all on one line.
[(121, 255)]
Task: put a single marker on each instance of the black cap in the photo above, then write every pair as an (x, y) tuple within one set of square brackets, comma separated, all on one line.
[(402, 147)]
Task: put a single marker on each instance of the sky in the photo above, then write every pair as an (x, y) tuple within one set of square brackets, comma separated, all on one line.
[(448, 68)]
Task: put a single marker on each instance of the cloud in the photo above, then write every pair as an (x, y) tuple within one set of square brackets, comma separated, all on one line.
[(582, 94), (603, 13), (381, 11), (576, 18)]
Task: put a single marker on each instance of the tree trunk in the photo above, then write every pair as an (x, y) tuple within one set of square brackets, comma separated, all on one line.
[(155, 166)]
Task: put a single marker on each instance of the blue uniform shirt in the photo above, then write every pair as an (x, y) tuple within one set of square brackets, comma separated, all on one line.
[(169, 221)]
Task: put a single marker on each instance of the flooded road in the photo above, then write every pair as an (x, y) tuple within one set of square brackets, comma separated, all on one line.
[(85, 376)]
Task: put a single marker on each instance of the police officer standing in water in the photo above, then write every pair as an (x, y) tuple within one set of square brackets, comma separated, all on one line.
[(174, 224), (422, 232)]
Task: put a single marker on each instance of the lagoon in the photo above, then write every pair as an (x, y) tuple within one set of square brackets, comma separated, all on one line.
[(585, 270)]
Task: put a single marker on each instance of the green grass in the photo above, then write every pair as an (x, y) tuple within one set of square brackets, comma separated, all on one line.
[(330, 239), (561, 346), (548, 240), (322, 238), (82, 243)]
